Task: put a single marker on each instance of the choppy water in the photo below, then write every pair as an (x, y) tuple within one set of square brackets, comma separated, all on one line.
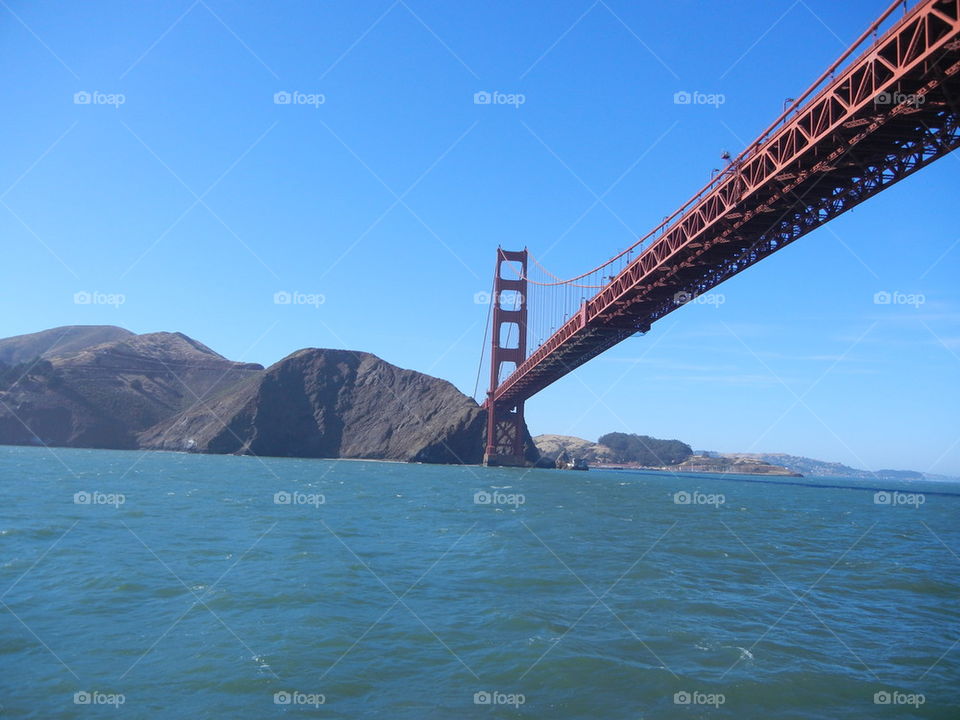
[(400, 596)]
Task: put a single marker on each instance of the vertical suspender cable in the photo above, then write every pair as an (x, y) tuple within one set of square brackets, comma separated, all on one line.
[(483, 348)]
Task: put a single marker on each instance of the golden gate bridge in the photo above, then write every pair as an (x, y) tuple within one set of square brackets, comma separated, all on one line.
[(870, 120)]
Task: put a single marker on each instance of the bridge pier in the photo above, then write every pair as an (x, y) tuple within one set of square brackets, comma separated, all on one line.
[(505, 436), (505, 426)]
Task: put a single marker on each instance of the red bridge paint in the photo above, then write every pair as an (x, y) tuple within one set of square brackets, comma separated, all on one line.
[(853, 133), (505, 420)]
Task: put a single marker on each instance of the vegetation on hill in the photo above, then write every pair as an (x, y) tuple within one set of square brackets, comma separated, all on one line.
[(35, 369), (645, 450), (57, 341)]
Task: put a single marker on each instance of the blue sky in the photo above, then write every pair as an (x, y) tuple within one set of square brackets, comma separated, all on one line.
[(198, 198)]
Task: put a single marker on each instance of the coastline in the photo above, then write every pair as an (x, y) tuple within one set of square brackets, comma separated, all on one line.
[(774, 471)]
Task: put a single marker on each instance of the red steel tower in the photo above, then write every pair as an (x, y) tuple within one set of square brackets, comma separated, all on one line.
[(505, 426)]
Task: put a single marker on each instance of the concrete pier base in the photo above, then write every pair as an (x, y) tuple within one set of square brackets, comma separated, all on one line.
[(497, 460)]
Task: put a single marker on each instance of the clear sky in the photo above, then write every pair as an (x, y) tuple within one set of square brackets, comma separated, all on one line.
[(184, 187)]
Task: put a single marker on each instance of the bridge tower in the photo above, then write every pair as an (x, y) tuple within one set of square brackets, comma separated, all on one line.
[(505, 426)]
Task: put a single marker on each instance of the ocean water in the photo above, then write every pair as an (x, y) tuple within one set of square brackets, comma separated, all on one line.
[(165, 585)]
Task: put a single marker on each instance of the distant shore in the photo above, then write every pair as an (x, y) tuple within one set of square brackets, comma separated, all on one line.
[(758, 469)]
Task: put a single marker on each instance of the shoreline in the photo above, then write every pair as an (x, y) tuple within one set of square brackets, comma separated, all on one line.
[(811, 481), (675, 469)]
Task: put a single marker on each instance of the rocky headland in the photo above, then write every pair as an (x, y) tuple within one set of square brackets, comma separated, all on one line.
[(106, 387)]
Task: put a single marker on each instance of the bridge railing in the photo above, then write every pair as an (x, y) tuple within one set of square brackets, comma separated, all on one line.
[(835, 101), (571, 292)]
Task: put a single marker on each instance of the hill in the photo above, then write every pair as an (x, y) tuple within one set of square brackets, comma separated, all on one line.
[(614, 448), (167, 391), (642, 451), (104, 395), (57, 341), (823, 468), (551, 446), (645, 450), (333, 403)]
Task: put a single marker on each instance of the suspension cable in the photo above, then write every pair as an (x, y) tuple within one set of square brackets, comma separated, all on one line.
[(483, 348), (736, 162)]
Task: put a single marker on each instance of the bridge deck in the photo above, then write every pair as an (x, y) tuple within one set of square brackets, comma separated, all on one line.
[(890, 112)]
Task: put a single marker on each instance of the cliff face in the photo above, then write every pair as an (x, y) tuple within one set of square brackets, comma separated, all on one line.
[(103, 395), (166, 391), (333, 403)]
